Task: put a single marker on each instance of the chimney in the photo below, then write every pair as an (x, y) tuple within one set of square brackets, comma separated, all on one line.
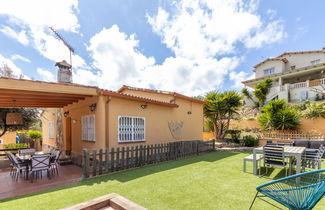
[(64, 72)]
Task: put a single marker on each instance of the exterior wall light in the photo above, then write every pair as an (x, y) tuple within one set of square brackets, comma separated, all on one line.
[(66, 114), (144, 106), (92, 107)]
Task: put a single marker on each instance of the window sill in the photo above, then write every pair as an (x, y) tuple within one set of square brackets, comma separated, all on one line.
[(130, 142), (89, 141)]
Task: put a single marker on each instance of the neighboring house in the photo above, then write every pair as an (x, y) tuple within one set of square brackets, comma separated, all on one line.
[(297, 75)]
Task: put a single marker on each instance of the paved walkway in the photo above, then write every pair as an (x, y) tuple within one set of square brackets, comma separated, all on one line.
[(9, 187)]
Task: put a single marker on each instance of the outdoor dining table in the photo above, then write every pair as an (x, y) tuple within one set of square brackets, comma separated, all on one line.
[(289, 151), (27, 158)]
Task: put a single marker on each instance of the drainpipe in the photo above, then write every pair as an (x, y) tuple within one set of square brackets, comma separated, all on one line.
[(107, 122)]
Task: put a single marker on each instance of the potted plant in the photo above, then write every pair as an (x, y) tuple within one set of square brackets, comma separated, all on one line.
[(36, 138)]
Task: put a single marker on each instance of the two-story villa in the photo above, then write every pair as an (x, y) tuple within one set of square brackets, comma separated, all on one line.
[(297, 75)]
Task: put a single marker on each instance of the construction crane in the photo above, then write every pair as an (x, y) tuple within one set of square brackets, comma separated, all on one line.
[(71, 50)]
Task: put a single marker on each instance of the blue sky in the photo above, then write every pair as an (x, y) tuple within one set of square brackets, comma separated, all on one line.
[(188, 46)]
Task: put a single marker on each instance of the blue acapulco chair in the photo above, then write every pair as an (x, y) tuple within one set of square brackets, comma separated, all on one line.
[(299, 191)]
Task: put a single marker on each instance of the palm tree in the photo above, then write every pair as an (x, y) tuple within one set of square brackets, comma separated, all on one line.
[(220, 110), (259, 95)]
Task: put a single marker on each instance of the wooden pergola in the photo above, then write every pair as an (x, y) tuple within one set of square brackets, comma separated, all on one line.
[(34, 94)]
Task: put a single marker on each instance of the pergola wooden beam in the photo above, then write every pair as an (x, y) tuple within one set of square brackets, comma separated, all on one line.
[(39, 93), (40, 100), (11, 96), (32, 105), (37, 99)]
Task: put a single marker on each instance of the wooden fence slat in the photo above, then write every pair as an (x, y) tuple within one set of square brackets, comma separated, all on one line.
[(106, 163), (122, 158), (85, 164), (127, 157), (94, 162), (100, 165), (118, 159), (112, 160)]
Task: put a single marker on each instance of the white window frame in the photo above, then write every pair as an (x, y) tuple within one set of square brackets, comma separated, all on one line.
[(51, 129), (269, 71), (86, 129), (314, 62), (1, 141), (132, 138)]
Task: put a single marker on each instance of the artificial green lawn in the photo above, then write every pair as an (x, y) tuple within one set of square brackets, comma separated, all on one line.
[(210, 181)]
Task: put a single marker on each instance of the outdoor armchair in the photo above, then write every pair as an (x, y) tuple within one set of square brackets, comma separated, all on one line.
[(300, 191)]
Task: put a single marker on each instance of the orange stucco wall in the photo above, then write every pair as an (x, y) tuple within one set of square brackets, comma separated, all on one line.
[(208, 135), (106, 121), (307, 125), (156, 120), (8, 138), (76, 111), (47, 116)]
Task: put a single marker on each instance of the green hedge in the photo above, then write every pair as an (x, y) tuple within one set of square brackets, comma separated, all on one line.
[(15, 146)]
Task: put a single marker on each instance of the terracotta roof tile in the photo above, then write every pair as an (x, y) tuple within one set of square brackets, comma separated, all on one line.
[(136, 98), (125, 87)]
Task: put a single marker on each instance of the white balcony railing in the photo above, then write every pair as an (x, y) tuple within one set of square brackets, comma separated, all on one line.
[(298, 85)]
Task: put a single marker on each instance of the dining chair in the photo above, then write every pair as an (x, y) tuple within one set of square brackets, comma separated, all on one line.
[(12, 163), (18, 168), (274, 157), (311, 159), (54, 161), (29, 151), (40, 163)]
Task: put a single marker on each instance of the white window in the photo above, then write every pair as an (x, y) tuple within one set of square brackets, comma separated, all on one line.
[(131, 129), (269, 71), (315, 62), (88, 127), (51, 129), (1, 141)]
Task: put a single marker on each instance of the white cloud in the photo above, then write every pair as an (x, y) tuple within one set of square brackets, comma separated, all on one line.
[(272, 13), (16, 70), (19, 36), (34, 17), (20, 57), (203, 36), (238, 77), (202, 28), (46, 75)]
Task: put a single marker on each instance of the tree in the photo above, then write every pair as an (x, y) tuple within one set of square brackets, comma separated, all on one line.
[(30, 116), (259, 95), (6, 71), (220, 109), (278, 115)]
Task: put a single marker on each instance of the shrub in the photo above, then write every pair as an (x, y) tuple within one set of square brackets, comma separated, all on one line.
[(277, 115), (15, 146), (250, 141), (33, 134), (314, 110), (235, 135)]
